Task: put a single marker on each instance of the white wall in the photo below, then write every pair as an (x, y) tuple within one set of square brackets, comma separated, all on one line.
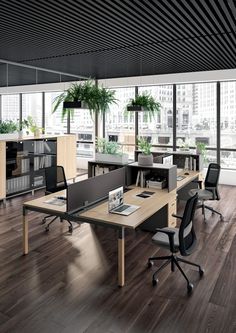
[(222, 75)]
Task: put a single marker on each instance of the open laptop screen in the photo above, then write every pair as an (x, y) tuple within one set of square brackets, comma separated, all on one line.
[(115, 198)]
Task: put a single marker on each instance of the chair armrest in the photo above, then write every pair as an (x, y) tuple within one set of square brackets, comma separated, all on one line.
[(170, 235), (177, 216), (199, 183)]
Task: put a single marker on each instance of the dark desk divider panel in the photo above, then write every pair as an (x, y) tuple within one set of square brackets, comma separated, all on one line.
[(93, 189)]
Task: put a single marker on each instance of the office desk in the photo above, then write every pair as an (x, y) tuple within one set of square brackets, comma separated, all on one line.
[(99, 215)]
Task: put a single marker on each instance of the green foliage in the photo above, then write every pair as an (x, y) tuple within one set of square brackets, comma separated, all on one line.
[(97, 99), (108, 147), (149, 104), (144, 146), (8, 126), (30, 124), (201, 148)]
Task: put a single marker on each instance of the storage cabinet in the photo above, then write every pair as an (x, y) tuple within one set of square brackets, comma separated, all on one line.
[(24, 162)]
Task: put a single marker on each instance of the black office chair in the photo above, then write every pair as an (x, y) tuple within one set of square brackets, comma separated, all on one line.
[(182, 239), (55, 181), (210, 191)]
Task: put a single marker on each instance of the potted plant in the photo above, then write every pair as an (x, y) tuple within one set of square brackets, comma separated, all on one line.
[(109, 151), (144, 102), (8, 126), (146, 157), (88, 95), (31, 126)]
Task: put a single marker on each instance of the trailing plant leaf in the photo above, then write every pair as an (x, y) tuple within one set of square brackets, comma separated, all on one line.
[(149, 104), (98, 99)]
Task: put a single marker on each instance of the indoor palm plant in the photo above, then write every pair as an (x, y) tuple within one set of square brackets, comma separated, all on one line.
[(145, 158), (88, 95), (144, 102)]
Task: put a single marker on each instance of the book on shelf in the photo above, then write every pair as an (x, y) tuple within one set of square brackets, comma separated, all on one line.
[(143, 176)]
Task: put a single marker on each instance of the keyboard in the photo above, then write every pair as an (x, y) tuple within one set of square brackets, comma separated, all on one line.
[(121, 208)]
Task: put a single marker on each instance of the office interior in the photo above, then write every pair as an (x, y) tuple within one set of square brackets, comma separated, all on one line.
[(90, 271)]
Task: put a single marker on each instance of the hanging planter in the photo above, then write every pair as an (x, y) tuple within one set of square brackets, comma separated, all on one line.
[(144, 102), (72, 105), (85, 95)]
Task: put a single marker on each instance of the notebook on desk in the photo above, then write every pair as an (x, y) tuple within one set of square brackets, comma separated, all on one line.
[(116, 203)]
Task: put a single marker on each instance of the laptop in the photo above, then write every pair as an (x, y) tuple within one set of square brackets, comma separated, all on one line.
[(116, 203)]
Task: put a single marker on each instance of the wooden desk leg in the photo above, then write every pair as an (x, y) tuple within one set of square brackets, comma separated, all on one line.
[(25, 232), (121, 257)]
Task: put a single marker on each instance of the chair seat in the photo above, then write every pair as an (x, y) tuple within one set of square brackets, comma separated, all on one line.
[(202, 194), (162, 239)]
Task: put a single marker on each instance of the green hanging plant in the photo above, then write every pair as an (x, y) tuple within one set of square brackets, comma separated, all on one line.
[(144, 102), (96, 99)]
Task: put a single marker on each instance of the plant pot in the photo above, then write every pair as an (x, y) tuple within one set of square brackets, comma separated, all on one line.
[(145, 160), (72, 105), (135, 108), (112, 158), (37, 133)]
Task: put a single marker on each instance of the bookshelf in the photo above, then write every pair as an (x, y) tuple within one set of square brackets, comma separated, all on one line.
[(180, 158), (24, 161)]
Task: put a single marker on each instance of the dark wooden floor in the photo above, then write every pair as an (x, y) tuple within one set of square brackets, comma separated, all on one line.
[(67, 283)]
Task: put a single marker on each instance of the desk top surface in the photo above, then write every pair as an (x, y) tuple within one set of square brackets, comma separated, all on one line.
[(99, 213)]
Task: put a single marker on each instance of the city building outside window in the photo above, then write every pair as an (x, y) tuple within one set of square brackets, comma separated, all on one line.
[(32, 106), (119, 123), (54, 124), (159, 128), (10, 107)]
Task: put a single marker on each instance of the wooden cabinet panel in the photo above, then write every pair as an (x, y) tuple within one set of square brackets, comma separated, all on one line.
[(66, 154)]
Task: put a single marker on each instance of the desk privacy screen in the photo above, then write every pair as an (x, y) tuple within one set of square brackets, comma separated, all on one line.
[(92, 190)]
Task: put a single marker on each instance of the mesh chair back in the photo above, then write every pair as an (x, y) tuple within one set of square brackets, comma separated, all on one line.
[(55, 179), (212, 179), (187, 236)]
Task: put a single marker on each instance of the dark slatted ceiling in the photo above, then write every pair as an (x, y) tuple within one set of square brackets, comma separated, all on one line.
[(106, 39)]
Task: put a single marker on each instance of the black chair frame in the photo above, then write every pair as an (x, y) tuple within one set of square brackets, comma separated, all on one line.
[(184, 250)]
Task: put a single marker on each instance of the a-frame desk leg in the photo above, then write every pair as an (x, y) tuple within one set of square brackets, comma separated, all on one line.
[(25, 232), (121, 257)]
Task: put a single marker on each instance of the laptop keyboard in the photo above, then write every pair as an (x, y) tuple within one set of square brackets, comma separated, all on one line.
[(122, 208)]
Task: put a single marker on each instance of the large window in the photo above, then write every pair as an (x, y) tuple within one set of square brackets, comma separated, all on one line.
[(10, 107), (119, 124), (159, 130), (228, 124), (32, 106), (82, 123), (196, 113), (54, 124)]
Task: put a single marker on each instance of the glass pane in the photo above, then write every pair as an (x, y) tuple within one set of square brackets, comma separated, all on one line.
[(196, 114), (53, 121), (119, 125), (32, 106), (83, 125), (228, 114), (159, 130), (10, 107), (228, 159)]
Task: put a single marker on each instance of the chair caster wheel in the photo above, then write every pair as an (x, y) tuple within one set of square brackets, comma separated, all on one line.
[(71, 229), (190, 288), (201, 272), (150, 264), (154, 282), (47, 229)]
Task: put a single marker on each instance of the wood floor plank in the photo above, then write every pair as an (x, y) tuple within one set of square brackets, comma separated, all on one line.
[(68, 283)]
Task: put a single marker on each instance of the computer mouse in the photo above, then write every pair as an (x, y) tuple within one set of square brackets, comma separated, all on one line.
[(186, 173)]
